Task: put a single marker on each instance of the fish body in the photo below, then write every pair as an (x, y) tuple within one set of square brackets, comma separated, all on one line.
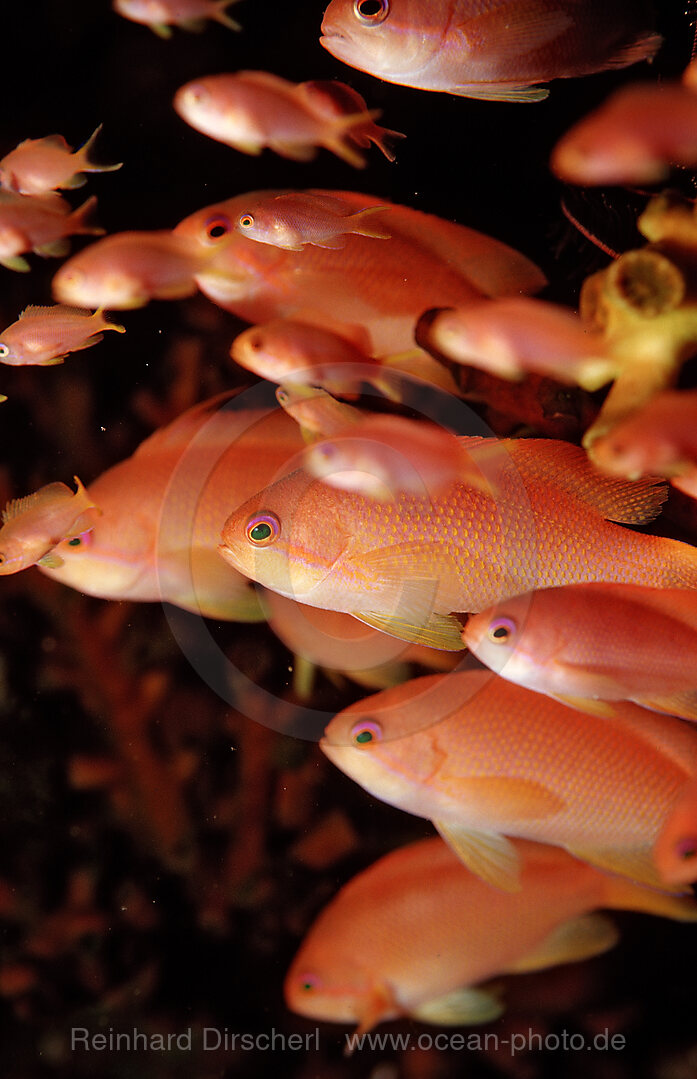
[(491, 49), (40, 165), (250, 110), (293, 220), (384, 456), (675, 850), (45, 335), (485, 759), (353, 965), (516, 335), (595, 642), (632, 138), (162, 15), (406, 565), (33, 526), (375, 290), (164, 507), (128, 269), (40, 224)]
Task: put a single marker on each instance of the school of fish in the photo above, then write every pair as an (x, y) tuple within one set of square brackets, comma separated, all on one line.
[(558, 760)]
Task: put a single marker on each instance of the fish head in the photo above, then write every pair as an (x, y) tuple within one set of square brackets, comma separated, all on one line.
[(18, 553), (383, 37), (222, 112), (387, 742), (128, 270), (325, 982), (112, 559), (506, 638), (288, 537)]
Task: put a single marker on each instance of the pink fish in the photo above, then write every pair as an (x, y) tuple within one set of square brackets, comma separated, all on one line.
[(40, 165), (334, 98), (161, 15), (494, 51), (40, 224), (659, 439), (250, 110), (295, 219), (32, 527), (45, 335)]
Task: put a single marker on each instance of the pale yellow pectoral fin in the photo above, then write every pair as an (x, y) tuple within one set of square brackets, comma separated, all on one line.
[(161, 29), (604, 709), (462, 1007), (51, 561), (56, 249), (636, 864), (15, 262), (487, 854), (436, 630), (579, 938), (513, 94), (194, 26)]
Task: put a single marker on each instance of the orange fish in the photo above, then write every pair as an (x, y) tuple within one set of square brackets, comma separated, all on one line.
[(384, 456), (485, 759), (378, 290), (353, 965), (586, 644), (40, 165), (497, 52), (40, 223), (513, 336), (161, 15), (333, 98), (129, 269), (45, 335), (32, 527), (632, 138), (405, 566), (164, 507), (295, 219), (253, 109), (296, 353)]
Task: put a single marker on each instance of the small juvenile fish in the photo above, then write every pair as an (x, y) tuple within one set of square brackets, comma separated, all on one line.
[(384, 456), (513, 336), (45, 335), (316, 412), (496, 52), (632, 138), (40, 165), (297, 218), (128, 269), (334, 98), (250, 110), (659, 439), (406, 566), (34, 525), (40, 223), (353, 965), (485, 759), (296, 353), (162, 15), (587, 644)]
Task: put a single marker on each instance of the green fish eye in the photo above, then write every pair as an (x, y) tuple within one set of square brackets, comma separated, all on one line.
[(365, 732), (262, 529), (74, 542)]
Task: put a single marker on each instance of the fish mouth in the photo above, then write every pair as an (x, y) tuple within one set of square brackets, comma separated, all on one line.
[(339, 45)]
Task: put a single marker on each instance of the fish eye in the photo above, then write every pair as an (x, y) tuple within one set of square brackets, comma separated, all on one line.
[(83, 540), (501, 630), (262, 529), (217, 227), (4, 351), (308, 982), (686, 849), (371, 12), (3, 557), (246, 221), (365, 732)]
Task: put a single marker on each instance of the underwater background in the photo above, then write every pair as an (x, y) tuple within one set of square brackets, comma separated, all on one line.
[(162, 854)]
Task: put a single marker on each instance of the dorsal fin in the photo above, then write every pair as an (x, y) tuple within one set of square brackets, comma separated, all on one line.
[(51, 312), (18, 506)]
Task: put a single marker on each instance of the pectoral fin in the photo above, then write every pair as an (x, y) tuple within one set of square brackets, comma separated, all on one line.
[(489, 855), (462, 1007), (637, 864), (579, 938), (588, 704), (676, 704), (436, 630), (513, 94), (51, 561)]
